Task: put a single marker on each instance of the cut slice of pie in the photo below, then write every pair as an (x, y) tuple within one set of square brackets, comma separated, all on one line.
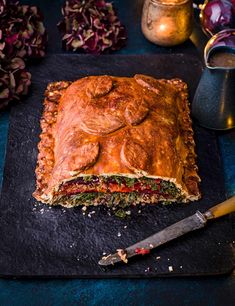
[(111, 140)]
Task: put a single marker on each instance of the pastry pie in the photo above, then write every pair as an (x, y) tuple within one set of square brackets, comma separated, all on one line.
[(111, 140)]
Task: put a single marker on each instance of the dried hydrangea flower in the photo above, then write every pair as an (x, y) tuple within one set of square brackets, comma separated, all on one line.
[(22, 36), (14, 80), (92, 26), (2, 7), (23, 30)]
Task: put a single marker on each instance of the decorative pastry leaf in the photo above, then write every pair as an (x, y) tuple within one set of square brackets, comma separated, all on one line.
[(134, 157), (136, 112), (84, 156), (101, 123), (148, 82), (100, 86)]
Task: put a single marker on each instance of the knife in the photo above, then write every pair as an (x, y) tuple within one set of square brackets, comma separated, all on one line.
[(194, 222)]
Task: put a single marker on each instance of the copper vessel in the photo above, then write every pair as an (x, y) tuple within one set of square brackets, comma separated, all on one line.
[(167, 22)]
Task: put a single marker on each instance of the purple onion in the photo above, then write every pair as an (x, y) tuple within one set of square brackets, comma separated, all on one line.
[(91, 26), (217, 15)]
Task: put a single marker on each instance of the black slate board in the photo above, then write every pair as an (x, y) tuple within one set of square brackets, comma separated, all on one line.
[(57, 242)]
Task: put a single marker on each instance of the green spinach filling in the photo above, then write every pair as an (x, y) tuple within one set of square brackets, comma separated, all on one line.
[(166, 191), (164, 187)]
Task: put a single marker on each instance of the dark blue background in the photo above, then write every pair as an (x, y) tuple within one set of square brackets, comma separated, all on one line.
[(213, 291)]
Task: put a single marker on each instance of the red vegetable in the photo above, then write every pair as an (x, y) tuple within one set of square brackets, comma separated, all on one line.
[(92, 26)]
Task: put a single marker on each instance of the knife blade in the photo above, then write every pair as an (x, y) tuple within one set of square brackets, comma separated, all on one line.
[(194, 222), (171, 232)]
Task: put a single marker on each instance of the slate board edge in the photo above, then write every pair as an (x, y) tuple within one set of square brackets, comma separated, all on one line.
[(120, 276)]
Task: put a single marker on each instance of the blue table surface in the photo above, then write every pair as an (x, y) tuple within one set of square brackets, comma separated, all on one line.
[(209, 291)]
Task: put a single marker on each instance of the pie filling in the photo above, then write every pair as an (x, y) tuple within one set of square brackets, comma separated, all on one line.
[(91, 190)]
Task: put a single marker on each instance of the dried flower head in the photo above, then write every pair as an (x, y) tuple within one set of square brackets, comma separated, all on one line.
[(2, 7), (14, 80), (92, 26), (22, 36), (23, 30)]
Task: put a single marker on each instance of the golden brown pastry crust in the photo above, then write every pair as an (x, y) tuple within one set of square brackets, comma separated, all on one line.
[(105, 125)]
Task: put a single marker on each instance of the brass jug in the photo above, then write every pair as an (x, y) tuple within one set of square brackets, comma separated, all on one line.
[(167, 22)]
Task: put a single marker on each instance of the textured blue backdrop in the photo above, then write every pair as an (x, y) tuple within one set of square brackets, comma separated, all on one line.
[(214, 291)]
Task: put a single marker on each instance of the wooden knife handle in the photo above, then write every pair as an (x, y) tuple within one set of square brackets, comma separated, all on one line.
[(221, 209)]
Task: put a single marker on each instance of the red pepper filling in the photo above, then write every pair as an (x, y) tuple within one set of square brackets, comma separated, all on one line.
[(75, 187)]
